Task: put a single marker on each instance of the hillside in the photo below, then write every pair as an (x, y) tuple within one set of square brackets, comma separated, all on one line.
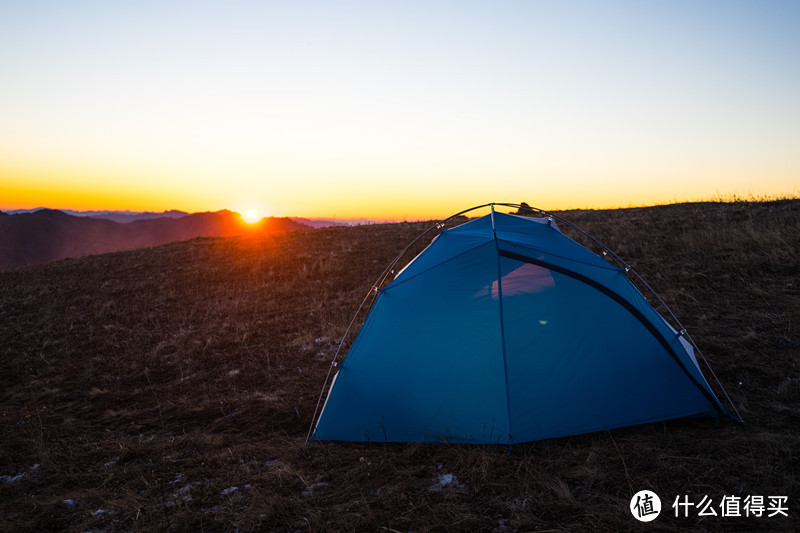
[(171, 388), (49, 235)]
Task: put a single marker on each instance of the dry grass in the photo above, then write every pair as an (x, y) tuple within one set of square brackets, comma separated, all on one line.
[(146, 385)]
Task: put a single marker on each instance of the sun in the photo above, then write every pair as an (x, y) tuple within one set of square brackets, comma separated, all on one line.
[(251, 215)]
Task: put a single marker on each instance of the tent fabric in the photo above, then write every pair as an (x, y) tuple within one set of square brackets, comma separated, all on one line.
[(504, 330)]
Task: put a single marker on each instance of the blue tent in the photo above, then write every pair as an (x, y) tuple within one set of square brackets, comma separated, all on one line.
[(505, 330)]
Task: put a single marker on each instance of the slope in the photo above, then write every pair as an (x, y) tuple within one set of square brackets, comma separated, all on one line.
[(171, 388)]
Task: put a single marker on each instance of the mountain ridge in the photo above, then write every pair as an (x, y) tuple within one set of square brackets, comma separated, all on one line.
[(51, 234), (128, 216)]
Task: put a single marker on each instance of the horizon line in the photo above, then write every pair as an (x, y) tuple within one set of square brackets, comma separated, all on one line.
[(717, 198)]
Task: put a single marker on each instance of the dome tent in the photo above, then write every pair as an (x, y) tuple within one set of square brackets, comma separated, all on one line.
[(504, 330)]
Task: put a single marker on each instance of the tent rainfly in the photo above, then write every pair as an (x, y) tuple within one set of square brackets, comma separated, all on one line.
[(504, 330)]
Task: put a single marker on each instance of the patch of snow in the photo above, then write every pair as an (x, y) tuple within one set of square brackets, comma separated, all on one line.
[(445, 480), (10, 479), (17, 477), (186, 488), (101, 512), (69, 503), (320, 340), (229, 490), (182, 494)]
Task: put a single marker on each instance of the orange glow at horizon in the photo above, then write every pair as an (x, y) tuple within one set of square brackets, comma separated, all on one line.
[(429, 202), (409, 192)]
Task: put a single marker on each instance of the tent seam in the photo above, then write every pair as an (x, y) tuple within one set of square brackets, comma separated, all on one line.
[(628, 306), (395, 282), (503, 341)]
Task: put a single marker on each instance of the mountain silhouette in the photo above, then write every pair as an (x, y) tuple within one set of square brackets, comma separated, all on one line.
[(48, 234), (116, 216)]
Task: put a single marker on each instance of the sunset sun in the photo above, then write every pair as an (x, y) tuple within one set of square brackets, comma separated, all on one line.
[(251, 216)]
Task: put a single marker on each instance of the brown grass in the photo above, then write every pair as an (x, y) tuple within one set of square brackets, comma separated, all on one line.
[(146, 385)]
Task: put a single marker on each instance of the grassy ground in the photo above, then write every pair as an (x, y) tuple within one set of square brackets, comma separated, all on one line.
[(171, 388)]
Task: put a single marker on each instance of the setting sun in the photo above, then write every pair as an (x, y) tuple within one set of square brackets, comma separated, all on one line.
[(251, 216)]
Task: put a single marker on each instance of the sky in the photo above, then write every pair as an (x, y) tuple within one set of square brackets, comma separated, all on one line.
[(395, 110)]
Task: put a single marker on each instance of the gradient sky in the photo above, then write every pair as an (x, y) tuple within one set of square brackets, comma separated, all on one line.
[(395, 109)]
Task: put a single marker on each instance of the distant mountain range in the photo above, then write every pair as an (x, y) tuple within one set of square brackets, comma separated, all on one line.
[(29, 238), (117, 216), (322, 222), (132, 216)]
